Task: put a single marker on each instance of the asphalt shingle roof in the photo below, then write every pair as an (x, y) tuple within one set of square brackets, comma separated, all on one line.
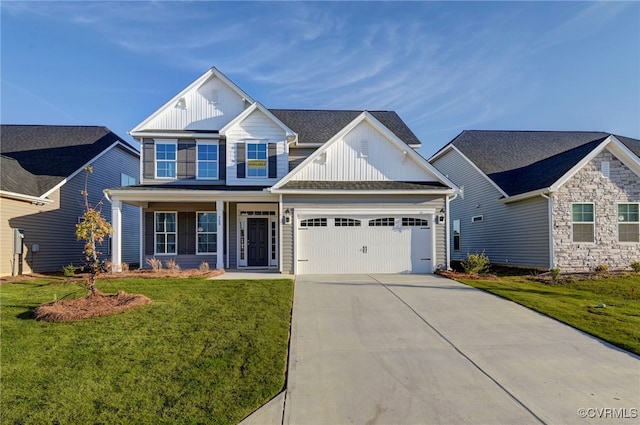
[(38, 157), (361, 185), (318, 126), (523, 161)]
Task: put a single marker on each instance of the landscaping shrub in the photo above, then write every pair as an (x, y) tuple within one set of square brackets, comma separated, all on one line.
[(69, 271), (635, 265), (475, 263), (155, 264), (555, 273), (172, 265), (602, 268), (204, 267)]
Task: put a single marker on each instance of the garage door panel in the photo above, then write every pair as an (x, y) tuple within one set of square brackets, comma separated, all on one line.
[(347, 248)]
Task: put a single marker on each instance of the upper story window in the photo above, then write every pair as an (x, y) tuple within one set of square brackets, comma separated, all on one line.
[(629, 222), (257, 164), (166, 159), (207, 158), (126, 180), (583, 219)]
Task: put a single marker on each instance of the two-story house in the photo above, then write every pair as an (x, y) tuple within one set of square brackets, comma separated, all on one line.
[(42, 176), (227, 181)]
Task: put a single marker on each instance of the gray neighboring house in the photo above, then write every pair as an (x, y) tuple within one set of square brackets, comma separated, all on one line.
[(544, 199), (40, 193), (229, 182)]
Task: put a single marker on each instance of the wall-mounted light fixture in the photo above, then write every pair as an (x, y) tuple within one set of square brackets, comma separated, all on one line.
[(287, 215)]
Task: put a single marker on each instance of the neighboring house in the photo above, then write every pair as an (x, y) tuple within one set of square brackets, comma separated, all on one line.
[(40, 193), (544, 199), (231, 183)]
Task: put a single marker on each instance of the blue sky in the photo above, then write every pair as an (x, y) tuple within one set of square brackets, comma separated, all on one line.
[(443, 66)]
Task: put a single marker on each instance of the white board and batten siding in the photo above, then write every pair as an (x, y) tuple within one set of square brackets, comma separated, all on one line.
[(510, 234), (256, 127), (208, 107), (363, 154)]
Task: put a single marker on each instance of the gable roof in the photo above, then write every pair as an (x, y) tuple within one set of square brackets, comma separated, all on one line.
[(315, 127), (257, 106), (36, 158), (210, 73), (386, 133), (519, 162)]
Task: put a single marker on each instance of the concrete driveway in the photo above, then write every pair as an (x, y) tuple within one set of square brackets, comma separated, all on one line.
[(421, 349)]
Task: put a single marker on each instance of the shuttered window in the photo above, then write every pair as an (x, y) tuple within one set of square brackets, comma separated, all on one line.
[(166, 160)]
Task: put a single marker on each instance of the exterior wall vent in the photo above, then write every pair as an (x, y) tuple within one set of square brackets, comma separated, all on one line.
[(604, 168), (477, 218), (364, 149)]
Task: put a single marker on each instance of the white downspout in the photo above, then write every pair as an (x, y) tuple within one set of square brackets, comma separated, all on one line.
[(549, 199), (447, 229), (280, 232)]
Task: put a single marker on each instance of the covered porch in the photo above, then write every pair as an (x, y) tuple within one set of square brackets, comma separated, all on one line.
[(231, 228)]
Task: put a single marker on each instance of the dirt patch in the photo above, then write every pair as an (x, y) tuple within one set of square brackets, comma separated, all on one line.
[(92, 305)]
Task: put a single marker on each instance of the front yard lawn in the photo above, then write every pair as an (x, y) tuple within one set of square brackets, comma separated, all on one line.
[(575, 303), (204, 351)]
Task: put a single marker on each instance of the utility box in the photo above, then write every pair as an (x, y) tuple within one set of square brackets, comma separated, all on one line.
[(18, 241)]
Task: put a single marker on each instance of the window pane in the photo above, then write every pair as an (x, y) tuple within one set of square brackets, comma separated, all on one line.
[(582, 232), (208, 169), (170, 222), (583, 213), (207, 152), (629, 232)]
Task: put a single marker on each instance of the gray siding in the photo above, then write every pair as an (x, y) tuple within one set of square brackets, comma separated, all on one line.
[(186, 257), (361, 202), (186, 164), (54, 229), (297, 155), (511, 234)]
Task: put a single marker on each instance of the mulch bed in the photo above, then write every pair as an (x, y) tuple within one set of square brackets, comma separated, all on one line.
[(92, 305)]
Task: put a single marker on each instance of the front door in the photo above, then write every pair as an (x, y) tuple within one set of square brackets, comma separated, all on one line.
[(257, 242)]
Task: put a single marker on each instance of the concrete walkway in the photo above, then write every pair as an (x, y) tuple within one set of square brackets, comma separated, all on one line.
[(420, 349)]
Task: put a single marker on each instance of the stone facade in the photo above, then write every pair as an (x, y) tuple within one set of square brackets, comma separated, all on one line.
[(589, 185)]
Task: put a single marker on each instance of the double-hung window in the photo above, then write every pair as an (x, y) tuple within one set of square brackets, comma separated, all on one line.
[(207, 156), (257, 160), (207, 233), (165, 232), (583, 220), (166, 159), (629, 222)]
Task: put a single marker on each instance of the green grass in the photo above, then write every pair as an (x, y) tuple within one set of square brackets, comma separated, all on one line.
[(574, 303), (204, 351)]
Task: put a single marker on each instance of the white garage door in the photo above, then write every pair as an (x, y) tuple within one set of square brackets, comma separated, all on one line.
[(364, 244)]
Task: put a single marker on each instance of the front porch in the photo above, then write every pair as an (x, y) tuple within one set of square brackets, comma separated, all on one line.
[(227, 230)]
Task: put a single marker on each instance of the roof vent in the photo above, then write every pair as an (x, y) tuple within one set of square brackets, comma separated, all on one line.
[(364, 149), (604, 168)]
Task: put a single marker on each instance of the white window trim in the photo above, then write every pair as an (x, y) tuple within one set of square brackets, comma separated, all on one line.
[(155, 234), (155, 157), (246, 159), (217, 161), (618, 222), (206, 233), (593, 241), (242, 224)]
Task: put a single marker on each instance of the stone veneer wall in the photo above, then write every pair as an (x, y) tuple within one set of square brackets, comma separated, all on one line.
[(588, 185)]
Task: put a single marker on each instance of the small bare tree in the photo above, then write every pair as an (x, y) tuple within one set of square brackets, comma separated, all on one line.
[(93, 230)]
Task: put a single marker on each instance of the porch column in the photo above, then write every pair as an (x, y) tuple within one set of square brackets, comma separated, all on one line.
[(220, 235), (116, 238)]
